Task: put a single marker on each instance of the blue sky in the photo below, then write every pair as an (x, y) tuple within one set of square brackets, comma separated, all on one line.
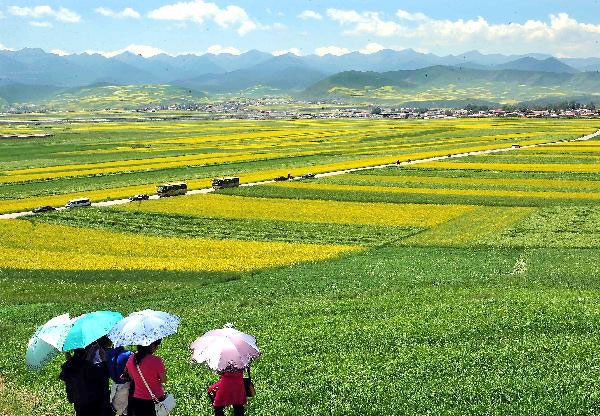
[(560, 27)]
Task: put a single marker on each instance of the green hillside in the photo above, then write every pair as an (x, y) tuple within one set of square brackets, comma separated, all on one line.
[(442, 83), (120, 97), (21, 93)]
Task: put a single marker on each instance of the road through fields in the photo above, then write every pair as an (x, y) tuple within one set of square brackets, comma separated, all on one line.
[(338, 172)]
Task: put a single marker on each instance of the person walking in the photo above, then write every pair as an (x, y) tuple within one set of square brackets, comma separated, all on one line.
[(144, 365), (116, 359), (229, 391), (227, 352), (86, 384)]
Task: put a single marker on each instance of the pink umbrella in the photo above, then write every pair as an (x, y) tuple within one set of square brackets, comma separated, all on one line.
[(225, 349)]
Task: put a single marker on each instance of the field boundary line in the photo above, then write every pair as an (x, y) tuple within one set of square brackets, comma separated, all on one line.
[(338, 172)]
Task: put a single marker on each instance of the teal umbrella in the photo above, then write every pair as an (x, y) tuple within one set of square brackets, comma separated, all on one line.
[(89, 327), (47, 341)]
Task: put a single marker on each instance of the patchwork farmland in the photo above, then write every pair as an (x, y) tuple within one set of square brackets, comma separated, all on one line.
[(462, 286)]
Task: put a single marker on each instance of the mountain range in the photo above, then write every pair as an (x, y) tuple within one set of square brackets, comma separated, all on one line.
[(36, 67), (311, 75)]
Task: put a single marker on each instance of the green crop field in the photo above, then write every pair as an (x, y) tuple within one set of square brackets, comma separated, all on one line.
[(463, 286)]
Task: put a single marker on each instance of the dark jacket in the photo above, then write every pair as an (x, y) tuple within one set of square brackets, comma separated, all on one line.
[(85, 382)]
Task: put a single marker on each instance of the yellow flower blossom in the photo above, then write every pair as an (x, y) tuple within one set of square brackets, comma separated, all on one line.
[(44, 246), (318, 211), (461, 192)]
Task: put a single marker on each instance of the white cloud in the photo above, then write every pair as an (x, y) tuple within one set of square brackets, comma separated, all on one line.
[(293, 51), (560, 34), (40, 24), (279, 26), (372, 48), (200, 11), (144, 50), (62, 14), (126, 12), (365, 22), (2, 15), (331, 50), (310, 14), (218, 49), (59, 52), (404, 15)]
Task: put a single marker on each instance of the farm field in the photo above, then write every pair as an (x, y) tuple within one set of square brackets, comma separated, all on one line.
[(464, 286), (111, 160)]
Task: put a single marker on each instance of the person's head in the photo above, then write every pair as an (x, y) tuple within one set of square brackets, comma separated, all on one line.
[(79, 354), (143, 350), (104, 342)]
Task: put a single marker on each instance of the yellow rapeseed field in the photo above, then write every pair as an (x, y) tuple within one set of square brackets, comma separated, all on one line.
[(503, 182), (462, 192), (525, 167), (353, 143), (335, 212), (44, 246), (139, 167), (116, 163)]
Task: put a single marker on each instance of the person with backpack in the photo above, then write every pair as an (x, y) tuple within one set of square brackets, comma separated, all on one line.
[(116, 359), (86, 384), (148, 374)]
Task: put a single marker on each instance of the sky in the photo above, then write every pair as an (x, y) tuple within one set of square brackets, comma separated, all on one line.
[(563, 28)]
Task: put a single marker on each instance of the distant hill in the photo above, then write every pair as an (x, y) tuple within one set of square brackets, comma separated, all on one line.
[(453, 83), (532, 64), (20, 93), (583, 64), (582, 99), (284, 73), (98, 97)]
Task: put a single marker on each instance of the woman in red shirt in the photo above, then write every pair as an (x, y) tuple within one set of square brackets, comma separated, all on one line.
[(153, 369), (229, 391)]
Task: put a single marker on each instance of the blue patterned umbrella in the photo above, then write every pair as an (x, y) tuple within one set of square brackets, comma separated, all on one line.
[(143, 328), (89, 327)]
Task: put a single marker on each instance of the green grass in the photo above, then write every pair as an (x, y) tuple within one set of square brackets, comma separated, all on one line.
[(501, 184), (423, 330), (577, 226), (268, 191), (474, 173), (228, 228)]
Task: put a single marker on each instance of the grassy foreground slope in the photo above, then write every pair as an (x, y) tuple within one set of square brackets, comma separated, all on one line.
[(425, 330)]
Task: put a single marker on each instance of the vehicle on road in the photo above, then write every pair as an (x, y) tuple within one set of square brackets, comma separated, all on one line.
[(229, 182), (516, 146), (44, 208), (171, 189), (81, 202), (281, 178), (139, 197), (308, 176)]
